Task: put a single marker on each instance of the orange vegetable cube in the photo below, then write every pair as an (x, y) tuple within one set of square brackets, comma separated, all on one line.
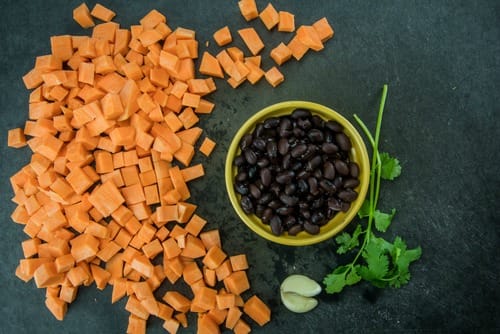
[(269, 16), (274, 76), (252, 40), (256, 309), (102, 13), (281, 54), (324, 29), (207, 146), (210, 66), (308, 36), (248, 9), (16, 138), (57, 307), (286, 22), (223, 36), (81, 15)]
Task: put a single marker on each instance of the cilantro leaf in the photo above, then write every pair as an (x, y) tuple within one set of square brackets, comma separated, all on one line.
[(378, 262), (364, 211), (336, 281), (352, 277), (391, 168), (383, 220), (347, 242)]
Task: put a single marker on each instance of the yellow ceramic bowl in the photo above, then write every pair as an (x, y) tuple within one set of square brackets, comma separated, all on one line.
[(341, 219)]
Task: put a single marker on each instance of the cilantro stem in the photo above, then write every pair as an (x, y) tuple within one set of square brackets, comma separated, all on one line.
[(374, 172), (386, 264), (376, 166)]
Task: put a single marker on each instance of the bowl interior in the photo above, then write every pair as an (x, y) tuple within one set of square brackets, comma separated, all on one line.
[(341, 219)]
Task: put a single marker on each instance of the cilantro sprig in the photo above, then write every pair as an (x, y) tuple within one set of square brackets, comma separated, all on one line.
[(376, 260)]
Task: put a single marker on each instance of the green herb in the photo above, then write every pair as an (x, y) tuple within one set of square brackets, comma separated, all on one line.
[(376, 260)]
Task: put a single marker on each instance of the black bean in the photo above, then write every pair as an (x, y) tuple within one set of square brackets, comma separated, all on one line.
[(285, 127), (259, 210), (313, 163), (338, 182), (289, 221), (344, 206), (317, 121), (254, 191), (275, 189), (241, 188), (303, 206), (265, 198), (312, 150), (298, 150), (348, 195), (239, 161), (285, 177), (341, 167), (317, 173), (272, 149), (266, 215), (326, 185), (283, 146), (295, 229), (290, 189), (285, 210), (302, 186), (311, 228), (259, 130), (313, 185), (259, 144), (328, 170), (316, 136), (318, 218), (329, 148), (276, 226), (343, 141), (303, 175), (317, 203), (241, 176), (265, 177), (334, 204), (285, 162), (250, 156), (351, 183), (271, 122), (300, 113), (298, 132), (304, 123), (288, 200), (247, 205), (246, 141), (263, 162), (354, 169), (252, 171), (297, 166), (306, 214), (334, 126), (329, 136), (274, 204)]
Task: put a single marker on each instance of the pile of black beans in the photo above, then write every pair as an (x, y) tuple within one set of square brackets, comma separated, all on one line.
[(294, 172)]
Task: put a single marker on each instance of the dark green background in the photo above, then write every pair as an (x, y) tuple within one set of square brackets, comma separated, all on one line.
[(441, 61)]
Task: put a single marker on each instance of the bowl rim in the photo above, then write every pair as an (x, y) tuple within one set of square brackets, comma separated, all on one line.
[(283, 108)]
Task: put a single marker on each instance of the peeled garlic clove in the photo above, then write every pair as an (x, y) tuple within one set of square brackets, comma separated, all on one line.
[(297, 303), (301, 285)]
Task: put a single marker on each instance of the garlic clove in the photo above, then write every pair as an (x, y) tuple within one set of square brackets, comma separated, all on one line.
[(301, 285), (297, 303)]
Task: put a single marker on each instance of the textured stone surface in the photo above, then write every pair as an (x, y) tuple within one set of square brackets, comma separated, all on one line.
[(441, 61)]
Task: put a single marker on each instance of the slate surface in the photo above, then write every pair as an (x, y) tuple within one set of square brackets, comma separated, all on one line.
[(441, 61)]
